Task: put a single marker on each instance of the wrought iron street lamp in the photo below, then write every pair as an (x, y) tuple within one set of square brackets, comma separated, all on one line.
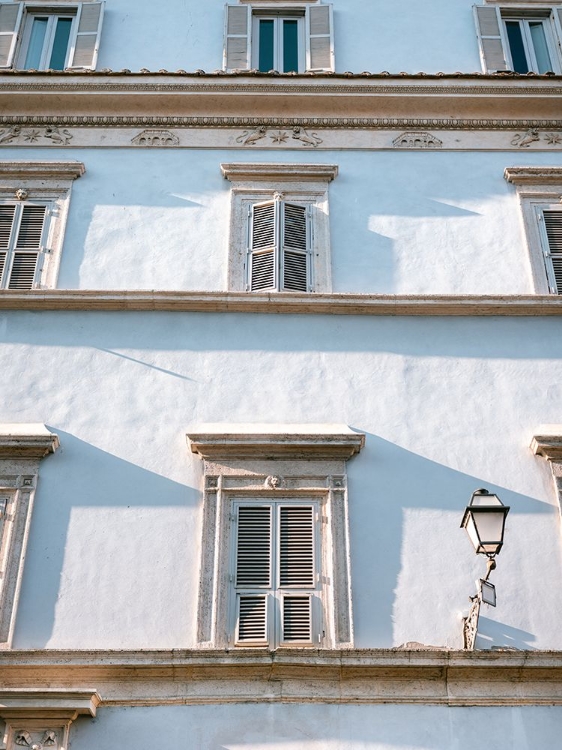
[(484, 521)]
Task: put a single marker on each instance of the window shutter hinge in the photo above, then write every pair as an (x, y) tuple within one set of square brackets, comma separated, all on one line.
[(232, 517), (231, 578)]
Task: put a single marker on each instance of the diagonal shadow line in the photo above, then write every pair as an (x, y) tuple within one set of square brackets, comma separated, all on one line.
[(146, 364)]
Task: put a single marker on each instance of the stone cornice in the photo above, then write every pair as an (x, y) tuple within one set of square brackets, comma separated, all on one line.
[(32, 441), (285, 303), (455, 678), (47, 703), (321, 100), (288, 442), (547, 442), (41, 170), (534, 175), (236, 172)]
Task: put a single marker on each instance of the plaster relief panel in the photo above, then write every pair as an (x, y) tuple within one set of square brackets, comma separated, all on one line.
[(417, 140), (38, 136), (279, 137), (156, 138), (36, 739)]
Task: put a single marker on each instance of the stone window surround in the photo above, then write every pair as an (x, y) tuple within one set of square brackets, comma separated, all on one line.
[(536, 187), (300, 183), (42, 718), (22, 446), (547, 442), (49, 182), (267, 461)]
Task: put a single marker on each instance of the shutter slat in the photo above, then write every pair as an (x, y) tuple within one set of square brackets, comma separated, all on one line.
[(488, 28), (297, 619), (2, 264), (86, 44), (22, 273), (296, 546), (252, 618), (237, 37), (10, 20), (31, 228), (263, 271), (295, 276), (6, 222), (320, 43), (253, 546)]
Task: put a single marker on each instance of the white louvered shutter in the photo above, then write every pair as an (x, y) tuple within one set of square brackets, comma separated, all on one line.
[(553, 229), (490, 38), (296, 571), (237, 37), (263, 246), (557, 14), (86, 42), (295, 248), (253, 571), (7, 215), (320, 37), (27, 247), (10, 22)]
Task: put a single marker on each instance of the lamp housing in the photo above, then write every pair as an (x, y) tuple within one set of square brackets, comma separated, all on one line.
[(484, 521)]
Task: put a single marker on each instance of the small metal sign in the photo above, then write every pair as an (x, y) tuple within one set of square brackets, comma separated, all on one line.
[(488, 592)]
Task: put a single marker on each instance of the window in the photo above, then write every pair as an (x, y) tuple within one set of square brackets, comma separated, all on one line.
[(279, 235), (540, 189), (283, 39), (275, 555), (34, 199), (21, 449), (35, 37), (519, 39), (276, 588)]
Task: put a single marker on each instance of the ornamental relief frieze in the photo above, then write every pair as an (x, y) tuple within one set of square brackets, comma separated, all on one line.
[(281, 133)]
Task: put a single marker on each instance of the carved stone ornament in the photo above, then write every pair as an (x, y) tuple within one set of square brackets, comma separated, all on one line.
[(274, 483), (156, 138), (524, 140), (22, 195), (50, 134), (553, 139), (36, 740), (417, 140), (280, 137)]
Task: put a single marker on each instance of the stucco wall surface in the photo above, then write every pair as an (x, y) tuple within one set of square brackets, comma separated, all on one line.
[(447, 405), (296, 727), (401, 222), (368, 36)]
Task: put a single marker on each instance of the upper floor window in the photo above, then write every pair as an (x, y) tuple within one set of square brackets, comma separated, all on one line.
[(539, 190), (263, 37), (34, 199), (519, 39), (279, 231), (53, 37)]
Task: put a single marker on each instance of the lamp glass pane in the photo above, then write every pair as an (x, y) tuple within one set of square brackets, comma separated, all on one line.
[(472, 533), (485, 500), (489, 526)]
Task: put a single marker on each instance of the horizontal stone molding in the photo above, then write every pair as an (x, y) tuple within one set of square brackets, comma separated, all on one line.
[(275, 442), (27, 441), (416, 101), (534, 175), (47, 703), (284, 303), (547, 442), (280, 172), (41, 170), (180, 677)]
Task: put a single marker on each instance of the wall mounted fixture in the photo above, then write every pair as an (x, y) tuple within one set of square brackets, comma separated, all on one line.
[(484, 521)]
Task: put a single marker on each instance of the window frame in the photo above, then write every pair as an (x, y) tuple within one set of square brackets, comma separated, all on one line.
[(21, 449), (275, 593), (263, 464), (300, 184), (278, 17), (48, 184), (539, 189), (83, 42), (241, 35), (494, 43)]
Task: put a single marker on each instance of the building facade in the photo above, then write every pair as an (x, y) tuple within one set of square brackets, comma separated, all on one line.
[(267, 322)]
